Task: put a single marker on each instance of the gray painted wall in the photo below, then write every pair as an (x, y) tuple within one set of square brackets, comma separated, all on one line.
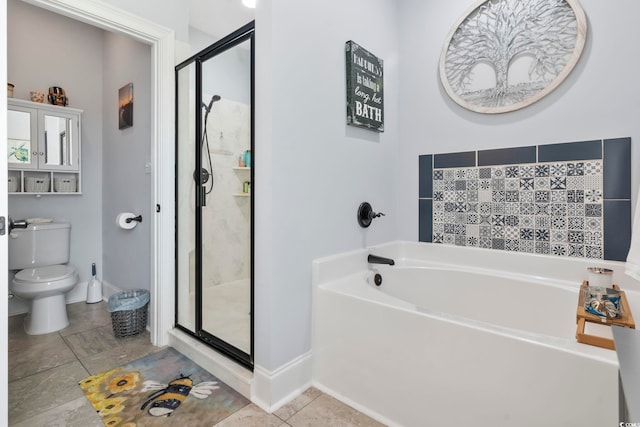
[(91, 65), (126, 183), (312, 170), (599, 99), (45, 49)]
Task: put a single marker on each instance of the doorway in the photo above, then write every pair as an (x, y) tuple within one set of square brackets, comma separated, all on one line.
[(214, 195)]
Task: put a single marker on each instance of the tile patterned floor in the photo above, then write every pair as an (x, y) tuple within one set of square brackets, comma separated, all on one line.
[(44, 372)]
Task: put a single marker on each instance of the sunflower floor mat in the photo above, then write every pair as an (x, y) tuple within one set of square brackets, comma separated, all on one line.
[(164, 388)]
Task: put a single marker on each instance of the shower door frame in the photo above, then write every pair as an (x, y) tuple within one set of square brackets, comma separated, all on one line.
[(243, 34)]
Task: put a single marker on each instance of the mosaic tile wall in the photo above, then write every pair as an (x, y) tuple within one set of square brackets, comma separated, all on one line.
[(570, 199)]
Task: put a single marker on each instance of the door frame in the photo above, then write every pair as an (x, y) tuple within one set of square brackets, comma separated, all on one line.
[(162, 43), (4, 212)]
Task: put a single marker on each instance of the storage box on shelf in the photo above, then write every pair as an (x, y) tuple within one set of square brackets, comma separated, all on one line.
[(64, 184), (13, 184), (37, 184)]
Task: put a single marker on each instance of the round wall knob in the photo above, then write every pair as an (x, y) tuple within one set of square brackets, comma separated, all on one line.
[(366, 214)]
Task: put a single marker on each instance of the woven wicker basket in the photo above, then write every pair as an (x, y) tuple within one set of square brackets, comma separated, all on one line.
[(126, 323), (129, 322)]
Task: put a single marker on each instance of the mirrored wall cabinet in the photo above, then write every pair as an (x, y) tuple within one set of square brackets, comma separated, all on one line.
[(43, 148)]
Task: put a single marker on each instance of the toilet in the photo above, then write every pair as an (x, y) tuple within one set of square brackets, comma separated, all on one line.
[(41, 252)]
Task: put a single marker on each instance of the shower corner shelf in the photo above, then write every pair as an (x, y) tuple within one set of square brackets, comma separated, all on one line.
[(242, 194), (241, 168)]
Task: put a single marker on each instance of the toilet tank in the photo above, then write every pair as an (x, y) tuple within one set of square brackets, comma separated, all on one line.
[(39, 245)]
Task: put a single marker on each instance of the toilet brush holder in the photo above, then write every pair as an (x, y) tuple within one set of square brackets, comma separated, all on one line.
[(94, 287)]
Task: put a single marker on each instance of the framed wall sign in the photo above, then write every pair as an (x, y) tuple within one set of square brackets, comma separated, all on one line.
[(365, 88)]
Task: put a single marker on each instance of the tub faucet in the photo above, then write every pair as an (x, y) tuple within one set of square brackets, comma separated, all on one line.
[(20, 223), (375, 259)]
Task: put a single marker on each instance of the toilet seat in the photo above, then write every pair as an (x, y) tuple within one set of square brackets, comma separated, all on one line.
[(60, 274)]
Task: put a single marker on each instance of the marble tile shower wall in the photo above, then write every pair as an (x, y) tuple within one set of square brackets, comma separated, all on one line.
[(569, 199)]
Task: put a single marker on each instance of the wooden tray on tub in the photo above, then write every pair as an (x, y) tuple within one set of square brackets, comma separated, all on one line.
[(583, 316)]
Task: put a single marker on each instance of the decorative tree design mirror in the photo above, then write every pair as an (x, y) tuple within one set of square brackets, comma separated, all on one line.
[(503, 55)]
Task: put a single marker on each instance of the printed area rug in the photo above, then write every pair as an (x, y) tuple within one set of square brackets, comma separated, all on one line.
[(163, 389)]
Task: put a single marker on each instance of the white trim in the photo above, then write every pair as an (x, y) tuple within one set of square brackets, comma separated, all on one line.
[(109, 289), (272, 390), (4, 212), (229, 372), (78, 294), (162, 41), (358, 407)]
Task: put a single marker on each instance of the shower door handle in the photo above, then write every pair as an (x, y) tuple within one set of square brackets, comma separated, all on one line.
[(201, 197)]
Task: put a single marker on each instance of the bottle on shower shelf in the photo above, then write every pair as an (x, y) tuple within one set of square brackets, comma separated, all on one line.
[(247, 158)]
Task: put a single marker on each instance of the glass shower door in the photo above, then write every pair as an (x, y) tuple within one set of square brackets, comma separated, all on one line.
[(214, 195), (226, 215), (186, 199)]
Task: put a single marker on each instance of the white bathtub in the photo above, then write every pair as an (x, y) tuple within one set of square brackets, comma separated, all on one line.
[(461, 336)]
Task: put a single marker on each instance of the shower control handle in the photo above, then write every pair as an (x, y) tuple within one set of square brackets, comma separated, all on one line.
[(366, 214)]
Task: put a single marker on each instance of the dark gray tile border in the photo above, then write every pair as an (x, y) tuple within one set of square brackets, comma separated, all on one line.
[(617, 229), (583, 150), (616, 208), (455, 160), (507, 156), (425, 176), (425, 220), (617, 168)]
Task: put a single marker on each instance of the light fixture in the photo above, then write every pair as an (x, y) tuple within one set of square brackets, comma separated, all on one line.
[(249, 3)]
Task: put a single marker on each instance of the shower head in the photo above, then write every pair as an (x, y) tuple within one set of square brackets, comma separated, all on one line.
[(214, 98)]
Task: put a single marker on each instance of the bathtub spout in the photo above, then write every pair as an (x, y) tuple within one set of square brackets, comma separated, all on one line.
[(375, 259)]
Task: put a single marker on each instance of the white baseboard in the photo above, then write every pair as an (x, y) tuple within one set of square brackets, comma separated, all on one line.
[(79, 292), (109, 289), (18, 305), (360, 408), (235, 376), (272, 390)]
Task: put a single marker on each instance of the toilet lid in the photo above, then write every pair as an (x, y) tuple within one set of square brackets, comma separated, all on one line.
[(46, 274)]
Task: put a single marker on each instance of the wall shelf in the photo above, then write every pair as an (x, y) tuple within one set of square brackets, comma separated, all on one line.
[(56, 182), (242, 195)]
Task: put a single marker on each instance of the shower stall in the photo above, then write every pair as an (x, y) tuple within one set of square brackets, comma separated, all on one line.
[(214, 195)]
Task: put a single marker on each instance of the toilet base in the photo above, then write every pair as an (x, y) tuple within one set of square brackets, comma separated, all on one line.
[(46, 315)]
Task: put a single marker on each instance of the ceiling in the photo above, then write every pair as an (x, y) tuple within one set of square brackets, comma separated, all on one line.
[(218, 17)]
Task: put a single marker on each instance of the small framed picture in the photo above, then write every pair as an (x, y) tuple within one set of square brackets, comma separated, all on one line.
[(125, 106)]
